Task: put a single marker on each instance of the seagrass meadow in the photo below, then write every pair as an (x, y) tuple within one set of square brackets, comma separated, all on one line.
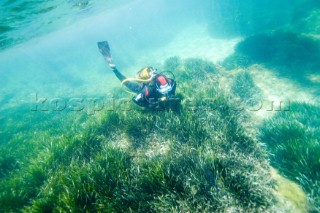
[(241, 133), (199, 155)]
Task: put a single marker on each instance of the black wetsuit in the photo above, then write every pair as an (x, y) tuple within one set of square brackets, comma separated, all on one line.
[(147, 94)]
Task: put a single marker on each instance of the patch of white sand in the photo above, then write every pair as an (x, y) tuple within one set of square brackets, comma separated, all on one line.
[(278, 92), (193, 42)]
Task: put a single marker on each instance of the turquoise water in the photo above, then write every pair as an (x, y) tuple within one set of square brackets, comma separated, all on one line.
[(68, 28), (71, 140)]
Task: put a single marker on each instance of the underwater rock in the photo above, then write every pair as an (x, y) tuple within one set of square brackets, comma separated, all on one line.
[(283, 49), (231, 18), (309, 22), (291, 55)]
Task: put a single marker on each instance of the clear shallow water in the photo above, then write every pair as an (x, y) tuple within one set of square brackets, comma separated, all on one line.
[(48, 50), (22, 20), (66, 61), (54, 56)]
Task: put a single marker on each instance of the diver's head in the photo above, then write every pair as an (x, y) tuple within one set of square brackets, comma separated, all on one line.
[(146, 73)]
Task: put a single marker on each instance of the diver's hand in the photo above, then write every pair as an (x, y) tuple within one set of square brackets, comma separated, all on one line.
[(138, 99)]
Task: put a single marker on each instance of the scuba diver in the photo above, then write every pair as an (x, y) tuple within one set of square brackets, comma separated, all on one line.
[(151, 89)]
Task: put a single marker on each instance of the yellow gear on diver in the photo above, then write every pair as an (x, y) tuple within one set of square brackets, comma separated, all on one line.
[(145, 73), (134, 79)]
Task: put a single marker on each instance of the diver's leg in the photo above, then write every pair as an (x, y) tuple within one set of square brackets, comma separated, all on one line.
[(118, 74), (133, 86), (105, 51)]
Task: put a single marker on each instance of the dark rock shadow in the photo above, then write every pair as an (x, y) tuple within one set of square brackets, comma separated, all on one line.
[(291, 55)]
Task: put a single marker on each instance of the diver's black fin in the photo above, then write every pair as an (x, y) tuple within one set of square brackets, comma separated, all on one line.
[(104, 48)]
